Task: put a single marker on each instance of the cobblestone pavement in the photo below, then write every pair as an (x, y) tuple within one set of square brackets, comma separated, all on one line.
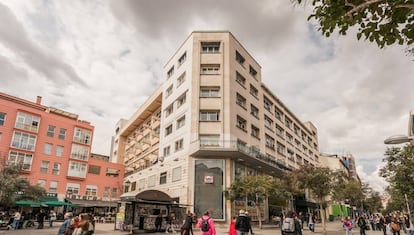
[(333, 228)]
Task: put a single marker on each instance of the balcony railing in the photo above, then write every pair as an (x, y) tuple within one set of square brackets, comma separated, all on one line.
[(230, 145)]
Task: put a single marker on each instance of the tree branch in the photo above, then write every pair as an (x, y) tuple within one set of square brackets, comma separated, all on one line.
[(361, 6)]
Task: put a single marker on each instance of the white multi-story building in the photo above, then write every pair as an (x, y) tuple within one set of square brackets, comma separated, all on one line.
[(211, 121)]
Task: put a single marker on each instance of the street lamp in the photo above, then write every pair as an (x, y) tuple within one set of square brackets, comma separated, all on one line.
[(399, 139)]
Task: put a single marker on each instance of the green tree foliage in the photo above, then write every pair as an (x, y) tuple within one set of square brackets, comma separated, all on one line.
[(320, 181), (14, 188), (399, 172), (254, 186), (384, 22), (372, 202)]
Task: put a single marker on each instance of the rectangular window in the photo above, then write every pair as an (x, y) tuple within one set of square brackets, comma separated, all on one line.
[(77, 169), (288, 123), (270, 142), (252, 71), (168, 110), (241, 123), (209, 115), (56, 168), (176, 174), (62, 133), (279, 131), (210, 47), (2, 118), (59, 151), (240, 79), (169, 91), (53, 187), (209, 140), (82, 136), (23, 141), (41, 183), (210, 69), (181, 100), (268, 122), (280, 148), (94, 169), (182, 59), (27, 122), (210, 92), (240, 100), (72, 188), (114, 193), (267, 104), (289, 138), (44, 167), (106, 191), (255, 132), (48, 149), (179, 144), (79, 152), (180, 122), (170, 72), (254, 111), (168, 130), (253, 91), (91, 190), (163, 178), (51, 131), (166, 151), (21, 158), (278, 113), (180, 80), (239, 58)]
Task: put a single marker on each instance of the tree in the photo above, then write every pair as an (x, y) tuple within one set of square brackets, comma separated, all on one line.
[(253, 187), (320, 181), (372, 202), (14, 188), (381, 21), (399, 172)]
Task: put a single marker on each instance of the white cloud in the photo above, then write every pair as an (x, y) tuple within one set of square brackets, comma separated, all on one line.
[(102, 59)]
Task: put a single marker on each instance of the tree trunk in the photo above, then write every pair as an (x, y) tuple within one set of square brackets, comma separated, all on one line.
[(323, 219), (259, 216)]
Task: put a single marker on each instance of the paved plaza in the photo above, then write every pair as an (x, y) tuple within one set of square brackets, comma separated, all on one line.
[(333, 228)]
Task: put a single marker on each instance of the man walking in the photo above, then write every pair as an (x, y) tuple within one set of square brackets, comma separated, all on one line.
[(242, 224)]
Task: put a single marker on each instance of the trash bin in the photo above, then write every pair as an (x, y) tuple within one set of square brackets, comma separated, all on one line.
[(331, 218)]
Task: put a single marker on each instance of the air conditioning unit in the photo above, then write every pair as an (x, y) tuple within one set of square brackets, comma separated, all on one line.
[(90, 198), (161, 158), (74, 196)]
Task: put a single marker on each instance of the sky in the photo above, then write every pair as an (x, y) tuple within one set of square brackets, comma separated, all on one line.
[(102, 59)]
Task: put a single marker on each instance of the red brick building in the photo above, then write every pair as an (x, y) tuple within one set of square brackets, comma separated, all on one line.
[(55, 149)]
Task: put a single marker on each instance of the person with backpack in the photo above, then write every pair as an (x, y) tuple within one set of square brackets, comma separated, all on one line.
[(242, 224), (362, 224), (348, 226), (206, 224), (288, 225)]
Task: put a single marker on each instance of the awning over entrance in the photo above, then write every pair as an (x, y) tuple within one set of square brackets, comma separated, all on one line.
[(93, 203), (148, 196)]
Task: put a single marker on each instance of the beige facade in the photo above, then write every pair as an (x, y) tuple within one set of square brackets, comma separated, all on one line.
[(216, 121)]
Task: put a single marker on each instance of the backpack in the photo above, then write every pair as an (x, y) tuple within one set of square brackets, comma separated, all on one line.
[(205, 226), (288, 225)]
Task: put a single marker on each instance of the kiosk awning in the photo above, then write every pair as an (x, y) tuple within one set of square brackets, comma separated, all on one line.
[(148, 195)]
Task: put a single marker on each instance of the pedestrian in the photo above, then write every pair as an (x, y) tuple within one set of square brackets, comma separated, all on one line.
[(67, 221), (348, 226), (74, 223), (52, 217), (383, 224), (250, 222), (407, 224), (41, 218), (232, 226), (169, 219), (396, 225), (311, 223), (206, 224), (188, 224), (16, 220), (242, 224), (158, 222), (362, 224), (298, 225)]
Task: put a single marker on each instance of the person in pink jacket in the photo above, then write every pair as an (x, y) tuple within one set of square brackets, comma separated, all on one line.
[(208, 228)]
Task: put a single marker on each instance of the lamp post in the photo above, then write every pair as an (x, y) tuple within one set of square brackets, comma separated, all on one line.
[(127, 183)]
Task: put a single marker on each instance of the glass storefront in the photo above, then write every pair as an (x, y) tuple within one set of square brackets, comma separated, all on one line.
[(208, 188)]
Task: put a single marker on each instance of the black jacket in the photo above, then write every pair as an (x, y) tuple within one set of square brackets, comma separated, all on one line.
[(242, 223)]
